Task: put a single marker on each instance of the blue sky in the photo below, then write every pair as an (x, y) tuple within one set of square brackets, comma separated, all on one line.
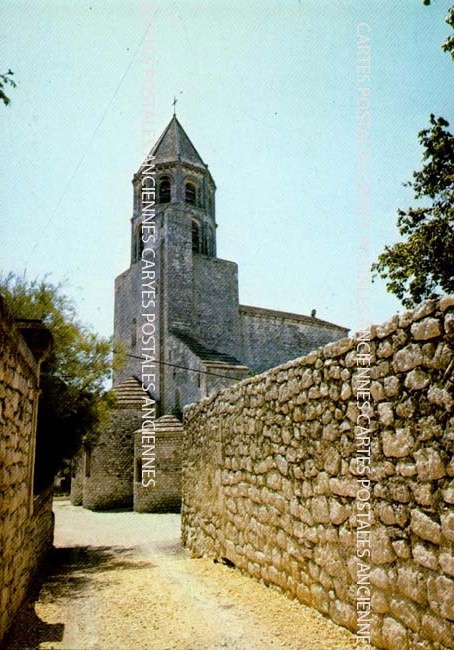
[(266, 91)]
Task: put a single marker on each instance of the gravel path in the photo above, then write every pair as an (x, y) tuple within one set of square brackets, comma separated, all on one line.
[(121, 581)]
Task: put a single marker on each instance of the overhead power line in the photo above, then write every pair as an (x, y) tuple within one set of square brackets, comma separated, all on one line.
[(174, 365)]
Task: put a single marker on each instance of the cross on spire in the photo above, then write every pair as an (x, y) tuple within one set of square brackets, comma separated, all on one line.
[(174, 104)]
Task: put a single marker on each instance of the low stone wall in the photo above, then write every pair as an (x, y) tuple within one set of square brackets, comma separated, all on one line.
[(272, 469), (26, 520)]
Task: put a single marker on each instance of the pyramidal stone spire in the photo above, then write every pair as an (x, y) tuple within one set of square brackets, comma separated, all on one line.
[(174, 145)]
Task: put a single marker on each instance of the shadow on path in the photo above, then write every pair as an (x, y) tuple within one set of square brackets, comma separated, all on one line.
[(72, 569), (29, 631), (68, 574)]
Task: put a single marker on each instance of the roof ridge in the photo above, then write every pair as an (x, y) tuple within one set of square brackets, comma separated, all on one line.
[(177, 134)]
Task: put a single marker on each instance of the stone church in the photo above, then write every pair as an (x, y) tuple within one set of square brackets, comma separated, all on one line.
[(205, 339)]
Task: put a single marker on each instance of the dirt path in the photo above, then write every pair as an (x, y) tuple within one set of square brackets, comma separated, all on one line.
[(120, 581)]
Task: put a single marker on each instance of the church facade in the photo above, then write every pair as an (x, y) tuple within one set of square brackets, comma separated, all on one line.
[(204, 339)]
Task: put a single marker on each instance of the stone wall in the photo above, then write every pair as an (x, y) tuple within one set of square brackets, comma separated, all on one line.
[(26, 520), (272, 470)]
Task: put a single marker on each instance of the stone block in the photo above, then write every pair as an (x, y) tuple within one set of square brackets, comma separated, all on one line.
[(446, 561), (447, 526), (274, 481), (440, 397), (401, 548), (408, 358), (406, 469), (332, 461), (343, 487), (449, 325), (425, 527), (385, 413), (320, 509), (417, 379), (441, 596), (343, 614), (398, 444), (306, 379), (425, 556), (435, 629), (394, 634), (385, 349), (282, 464), (389, 327), (406, 612), (338, 512), (346, 391), (386, 514), (428, 328), (447, 302), (426, 308), (429, 464), (412, 583), (441, 358), (381, 549), (379, 602), (376, 391), (320, 598)]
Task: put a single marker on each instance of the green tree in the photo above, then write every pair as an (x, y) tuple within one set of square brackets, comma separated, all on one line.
[(423, 264), (74, 403), (6, 80)]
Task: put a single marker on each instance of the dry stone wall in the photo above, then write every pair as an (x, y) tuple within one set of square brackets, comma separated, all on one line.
[(26, 520), (272, 479)]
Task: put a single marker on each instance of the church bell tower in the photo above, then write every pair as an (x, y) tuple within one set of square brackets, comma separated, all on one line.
[(182, 183), (196, 292)]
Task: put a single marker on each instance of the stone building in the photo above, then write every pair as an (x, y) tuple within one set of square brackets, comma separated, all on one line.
[(178, 293)]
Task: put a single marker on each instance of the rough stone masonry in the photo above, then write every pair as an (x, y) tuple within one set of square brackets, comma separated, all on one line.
[(270, 481), (26, 519)]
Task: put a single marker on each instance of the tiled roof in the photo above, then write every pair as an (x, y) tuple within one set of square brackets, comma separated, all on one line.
[(129, 393), (207, 355)]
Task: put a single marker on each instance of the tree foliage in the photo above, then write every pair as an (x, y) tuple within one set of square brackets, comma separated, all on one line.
[(6, 80), (74, 403), (448, 45), (423, 264)]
